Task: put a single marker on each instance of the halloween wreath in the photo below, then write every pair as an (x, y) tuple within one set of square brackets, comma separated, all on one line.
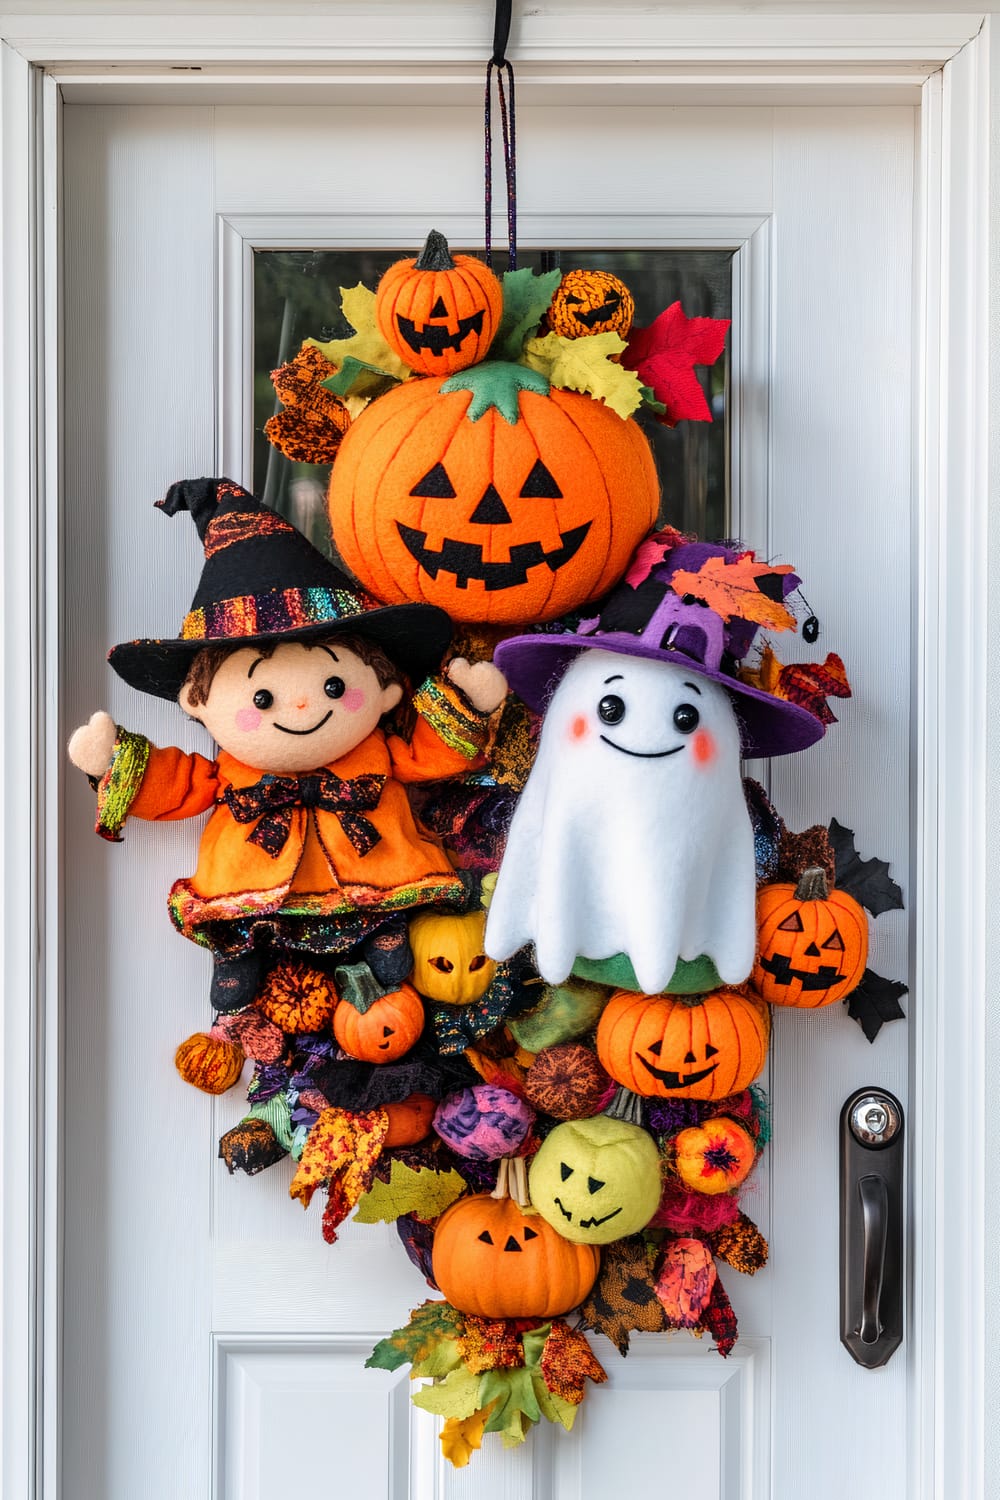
[(523, 1014)]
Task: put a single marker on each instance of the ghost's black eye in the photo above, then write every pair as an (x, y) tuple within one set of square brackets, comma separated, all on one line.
[(611, 709), (334, 687), (262, 698), (686, 717)]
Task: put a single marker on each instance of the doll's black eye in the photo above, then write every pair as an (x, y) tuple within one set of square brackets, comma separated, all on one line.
[(686, 717), (335, 687), (611, 709), (262, 698)]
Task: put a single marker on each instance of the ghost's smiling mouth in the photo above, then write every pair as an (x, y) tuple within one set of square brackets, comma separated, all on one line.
[(642, 754), (305, 731)]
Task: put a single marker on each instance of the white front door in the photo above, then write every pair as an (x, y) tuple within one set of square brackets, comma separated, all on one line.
[(213, 1344)]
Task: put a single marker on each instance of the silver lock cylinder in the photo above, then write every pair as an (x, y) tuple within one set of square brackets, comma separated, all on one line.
[(874, 1119)]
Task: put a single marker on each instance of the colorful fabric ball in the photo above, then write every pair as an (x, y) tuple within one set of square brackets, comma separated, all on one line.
[(483, 1123), (568, 1082)]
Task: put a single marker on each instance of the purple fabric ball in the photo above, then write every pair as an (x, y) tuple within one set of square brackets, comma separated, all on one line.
[(483, 1122)]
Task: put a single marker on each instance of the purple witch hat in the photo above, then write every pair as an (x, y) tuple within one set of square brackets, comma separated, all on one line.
[(646, 616)]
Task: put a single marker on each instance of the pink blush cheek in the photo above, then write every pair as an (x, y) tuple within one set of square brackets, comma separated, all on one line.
[(352, 700), (248, 719), (578, 728), (703, 748)]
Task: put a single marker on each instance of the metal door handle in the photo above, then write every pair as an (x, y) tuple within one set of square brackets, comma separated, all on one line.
[(874, 1218), (871, 1226)]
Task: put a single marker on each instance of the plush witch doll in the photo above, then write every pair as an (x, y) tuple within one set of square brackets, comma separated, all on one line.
[(311, 846), (630, 858)]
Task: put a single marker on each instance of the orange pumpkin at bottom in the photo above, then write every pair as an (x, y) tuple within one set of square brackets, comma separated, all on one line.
[(684, 1046), (493, 1261), (385, 1031)]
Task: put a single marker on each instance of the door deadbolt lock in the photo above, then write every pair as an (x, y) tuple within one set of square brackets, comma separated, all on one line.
[(871, 1226)]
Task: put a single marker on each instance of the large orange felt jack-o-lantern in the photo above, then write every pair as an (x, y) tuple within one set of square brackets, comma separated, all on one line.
[(491, 495)]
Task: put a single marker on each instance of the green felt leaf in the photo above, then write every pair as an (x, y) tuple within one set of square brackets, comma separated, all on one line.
[(516, 1405), (650, 402), (441, 1360), (457, 1395), (533, 1342), (585, 365), (553, 1408), (430, 1323), (276, 1113), (358, 378), (417, 1191), (497, 386), (526, 299)]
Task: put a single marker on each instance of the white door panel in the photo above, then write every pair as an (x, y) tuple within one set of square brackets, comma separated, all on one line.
[(213, 1342)]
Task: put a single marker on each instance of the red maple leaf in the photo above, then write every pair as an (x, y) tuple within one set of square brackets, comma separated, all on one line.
[(664, 355)]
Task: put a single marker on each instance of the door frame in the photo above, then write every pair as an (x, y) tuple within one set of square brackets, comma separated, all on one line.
[(952, 64)]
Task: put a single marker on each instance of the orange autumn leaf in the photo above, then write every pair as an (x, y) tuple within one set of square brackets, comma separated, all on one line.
[(568, 1361), (462, 1436), (310, 428), (744, 589)]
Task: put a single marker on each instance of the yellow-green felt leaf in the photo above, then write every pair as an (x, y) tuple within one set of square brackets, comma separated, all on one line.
[(408, 1191), (366, 344), (457, 1395), (586, 365), (552, 1407), (430, 1324), (515, 1406)]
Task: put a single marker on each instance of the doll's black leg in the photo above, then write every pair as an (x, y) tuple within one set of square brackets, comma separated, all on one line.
[(387, 952), (236, 981)]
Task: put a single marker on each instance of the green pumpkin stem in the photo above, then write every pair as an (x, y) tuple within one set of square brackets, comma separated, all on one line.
[(496, 385), (435, 256), (358, 986), (813, 885)]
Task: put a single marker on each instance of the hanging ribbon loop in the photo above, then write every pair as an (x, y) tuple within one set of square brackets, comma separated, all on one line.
[(505, 96)]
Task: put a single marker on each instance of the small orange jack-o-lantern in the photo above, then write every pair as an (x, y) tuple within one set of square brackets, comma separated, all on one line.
[(449, 962), (684, 1046), (385, 1030), (587, 302), (812, 943), (491, 495), (439, 312), (494, 1261)]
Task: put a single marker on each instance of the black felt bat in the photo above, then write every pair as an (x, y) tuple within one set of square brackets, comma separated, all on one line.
[(867, 880), (875, 1001)]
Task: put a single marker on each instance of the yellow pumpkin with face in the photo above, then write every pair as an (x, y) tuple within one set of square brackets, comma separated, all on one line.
[(596, 1180), (449, 963)]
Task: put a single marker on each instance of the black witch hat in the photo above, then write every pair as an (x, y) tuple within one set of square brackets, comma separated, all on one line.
[(263, 581)]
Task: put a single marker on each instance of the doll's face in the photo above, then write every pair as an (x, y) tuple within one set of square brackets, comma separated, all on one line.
[(297, 710)]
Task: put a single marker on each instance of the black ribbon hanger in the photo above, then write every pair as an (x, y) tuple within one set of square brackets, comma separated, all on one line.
[(503, 71)]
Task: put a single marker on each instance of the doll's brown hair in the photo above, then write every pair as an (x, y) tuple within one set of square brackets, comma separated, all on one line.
[(201, 675)]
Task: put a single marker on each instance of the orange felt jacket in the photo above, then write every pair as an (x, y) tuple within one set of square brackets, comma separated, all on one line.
[(236, 878)]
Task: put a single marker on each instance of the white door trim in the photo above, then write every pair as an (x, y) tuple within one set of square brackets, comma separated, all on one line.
[(777, 59)]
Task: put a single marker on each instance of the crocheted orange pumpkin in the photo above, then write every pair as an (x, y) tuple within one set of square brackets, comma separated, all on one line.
[(684, 1046), (385, 1030), (297, 997), (491, 495), (812, 943), (494, 1261), (449, 964), (713, 1157), (209, 1061), (588, 302), (439, 312)]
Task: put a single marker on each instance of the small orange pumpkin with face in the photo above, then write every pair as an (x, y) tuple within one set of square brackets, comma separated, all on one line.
[(812, 943), (684, 1046), (439, 312), (587, 302), (385, 1031), (494, 1261)]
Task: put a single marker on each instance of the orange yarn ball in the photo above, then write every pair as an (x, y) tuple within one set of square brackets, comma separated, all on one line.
[(297, 997), (209, 1061)]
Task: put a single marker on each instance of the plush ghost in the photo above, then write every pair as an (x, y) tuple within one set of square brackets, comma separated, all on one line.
[(632, 834)]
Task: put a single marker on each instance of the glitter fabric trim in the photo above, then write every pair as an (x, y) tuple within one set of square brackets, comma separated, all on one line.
[(242, 527), (119, 786), (461, 727), (269, 614)]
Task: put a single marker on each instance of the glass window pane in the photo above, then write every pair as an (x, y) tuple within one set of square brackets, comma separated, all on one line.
[(296, 296)]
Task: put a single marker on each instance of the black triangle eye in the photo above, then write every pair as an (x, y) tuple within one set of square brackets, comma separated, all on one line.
[(530, 1234), (540, 484), (594, 1185), (835, 941), (656, 1048), (439, 310), (486, 1237), (387, 1031), (791, 924), (689, 1057), (710, 1051), (512, 1244), (572, 301), (566, 1171), (435, 485)]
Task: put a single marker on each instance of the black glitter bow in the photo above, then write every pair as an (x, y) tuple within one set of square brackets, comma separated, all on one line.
[(273, 798)]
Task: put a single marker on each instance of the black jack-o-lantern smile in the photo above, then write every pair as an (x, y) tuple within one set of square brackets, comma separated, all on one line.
[(465, 559), (822, 977), (437, 337), (511, 1243), (673, 1080), (594, 1185), (590, 316)]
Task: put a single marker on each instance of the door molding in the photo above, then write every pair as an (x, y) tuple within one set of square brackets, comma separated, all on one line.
[(955, 63)]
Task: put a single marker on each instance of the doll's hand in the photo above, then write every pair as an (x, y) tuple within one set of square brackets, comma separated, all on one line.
[(483, 684), (91, 746)]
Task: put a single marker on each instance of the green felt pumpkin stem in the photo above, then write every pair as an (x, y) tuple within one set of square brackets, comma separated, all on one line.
[(435, 256), (358, 986), (813, 885), (496, 385), (625, 1106)]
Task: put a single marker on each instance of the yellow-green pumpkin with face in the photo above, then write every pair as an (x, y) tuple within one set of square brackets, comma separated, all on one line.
[(596, 1180)]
